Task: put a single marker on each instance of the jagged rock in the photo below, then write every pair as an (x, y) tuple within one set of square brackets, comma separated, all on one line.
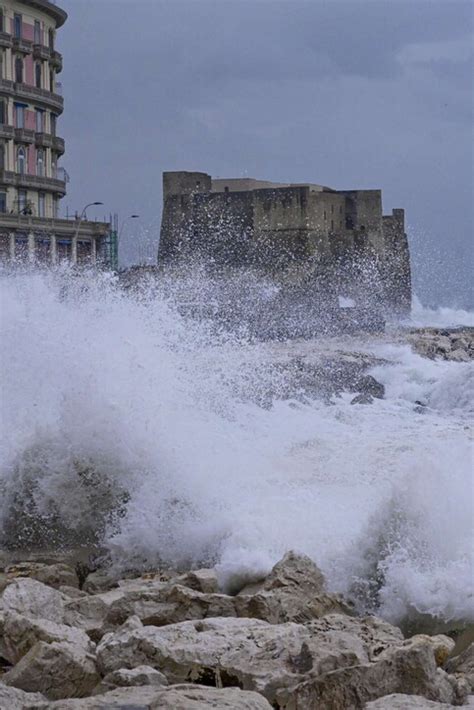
[(178, 697), (370, 386), (459, 355), (29, 597), (131, 677), (409, 668), (99, 581), (201, 580), (397, 701), (55, 575), (362, 399), (249, 653), (464, 664), (293, 591), (20, 633), (72, 592), (58, 670), (14, 699), (443, 343)]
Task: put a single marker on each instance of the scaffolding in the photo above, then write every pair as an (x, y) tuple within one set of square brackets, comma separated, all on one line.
[(110, 244)]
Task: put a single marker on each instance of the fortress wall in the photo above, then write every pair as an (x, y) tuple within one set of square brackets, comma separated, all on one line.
[(281, 209), (364, 213), (397, 271), (185, 183)]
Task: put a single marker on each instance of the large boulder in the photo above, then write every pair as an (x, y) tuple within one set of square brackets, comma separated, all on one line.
[(463, 664), (397, 701), (409, 668), (131, 677), (178, 697), (248, 653), (29, 597), (20, 633), (58, 670), (295, 590), (53, 575), (14, 699)]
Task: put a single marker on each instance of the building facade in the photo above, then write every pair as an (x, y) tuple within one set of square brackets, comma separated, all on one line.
[(32, 182), (304, 236)]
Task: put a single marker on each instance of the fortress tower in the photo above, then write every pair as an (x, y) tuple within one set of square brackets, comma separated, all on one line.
[(307, 237)]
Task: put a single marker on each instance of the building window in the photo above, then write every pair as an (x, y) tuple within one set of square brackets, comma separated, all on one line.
[(55, 207), (38, 32), (19, 70), (19, 116), (22, 201), (40, 162), (2, 57), (41, 204), (332, 225), (21, 161), (54, 167), (51, 80), (38, 75), (39, 120), (53, 124), (3, 202), (325, 215), (17, 22), (2, 21), (51, 39), (2, 156), (2, 112)]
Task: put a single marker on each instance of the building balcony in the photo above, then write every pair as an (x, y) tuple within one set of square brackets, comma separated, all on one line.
[(37, 182), (6, 40), (7, 177), (40, 51), (34, 182), (58, 145), (33, 95), (22, 45), (57, 61), (24, 135), (43, 140), (6, 131)]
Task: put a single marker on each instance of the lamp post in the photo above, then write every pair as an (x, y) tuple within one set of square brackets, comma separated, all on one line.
[(76, 233), (132, 216)]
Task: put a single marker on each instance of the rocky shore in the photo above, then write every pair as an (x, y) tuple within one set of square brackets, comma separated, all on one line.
[(73, 638)]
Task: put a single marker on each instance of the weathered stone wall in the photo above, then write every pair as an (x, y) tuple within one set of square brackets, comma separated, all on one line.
[(300, 235)]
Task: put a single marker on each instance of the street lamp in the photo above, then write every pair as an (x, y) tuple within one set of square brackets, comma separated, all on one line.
[(76, 234)]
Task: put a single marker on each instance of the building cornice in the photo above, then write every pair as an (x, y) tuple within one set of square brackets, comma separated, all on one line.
[(51, 9), (66, 227)]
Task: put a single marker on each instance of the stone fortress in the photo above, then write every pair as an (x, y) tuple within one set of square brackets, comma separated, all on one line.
[(316, 242)]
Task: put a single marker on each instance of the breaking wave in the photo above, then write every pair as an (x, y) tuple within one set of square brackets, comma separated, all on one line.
[(128, 426)]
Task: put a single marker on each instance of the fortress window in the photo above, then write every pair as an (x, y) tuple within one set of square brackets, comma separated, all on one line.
[(17, 22), (340, 209), (332, 209), (226, 188), (325, 215), (332, 224)]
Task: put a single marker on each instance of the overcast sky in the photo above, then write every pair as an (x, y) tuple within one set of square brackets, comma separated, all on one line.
[(351, 94)]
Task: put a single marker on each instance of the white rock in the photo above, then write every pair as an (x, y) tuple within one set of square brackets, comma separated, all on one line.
[(54, 575), (178, 697), (459, 355), (20, 633), (397, 701), (464, 664), (14, 699), (131, 677), (31, 598), (58, 670)]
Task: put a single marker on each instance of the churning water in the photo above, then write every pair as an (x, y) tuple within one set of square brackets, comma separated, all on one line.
[(126, 425)]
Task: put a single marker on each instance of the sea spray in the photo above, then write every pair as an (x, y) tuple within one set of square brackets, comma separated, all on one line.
[(129, 425)]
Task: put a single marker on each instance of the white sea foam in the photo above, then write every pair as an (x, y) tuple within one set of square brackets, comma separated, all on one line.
[(95, 379)]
